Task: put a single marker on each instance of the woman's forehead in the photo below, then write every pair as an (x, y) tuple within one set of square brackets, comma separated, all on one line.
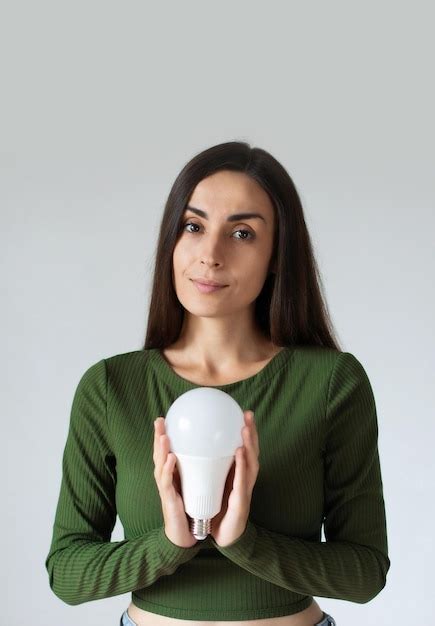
[(230, 193)]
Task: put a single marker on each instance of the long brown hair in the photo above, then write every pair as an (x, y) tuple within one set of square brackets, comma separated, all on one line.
[(291, 308)]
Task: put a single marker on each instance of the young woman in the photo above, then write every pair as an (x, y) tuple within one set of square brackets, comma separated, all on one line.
[(236, 304)]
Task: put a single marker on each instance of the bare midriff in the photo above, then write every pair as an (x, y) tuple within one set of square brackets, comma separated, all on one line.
[(308, 617)]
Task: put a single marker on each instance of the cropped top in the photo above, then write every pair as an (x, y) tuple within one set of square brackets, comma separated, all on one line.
[(319, 465)]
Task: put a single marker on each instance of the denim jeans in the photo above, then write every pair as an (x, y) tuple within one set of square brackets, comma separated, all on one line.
[(326, 621), (126, 620)]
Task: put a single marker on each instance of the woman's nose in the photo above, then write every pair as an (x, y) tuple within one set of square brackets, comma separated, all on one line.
[(211, 252), (210, 262), (211, 258)]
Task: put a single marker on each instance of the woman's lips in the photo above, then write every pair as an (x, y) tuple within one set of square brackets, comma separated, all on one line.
[(207, 288)]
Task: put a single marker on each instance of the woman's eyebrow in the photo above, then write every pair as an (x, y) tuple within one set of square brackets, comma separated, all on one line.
[(231, 218)]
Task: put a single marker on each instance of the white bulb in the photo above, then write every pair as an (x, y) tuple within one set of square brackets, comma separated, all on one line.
[(204, 429)]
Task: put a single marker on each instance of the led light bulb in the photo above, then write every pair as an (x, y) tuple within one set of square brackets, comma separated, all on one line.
[(204, 429)]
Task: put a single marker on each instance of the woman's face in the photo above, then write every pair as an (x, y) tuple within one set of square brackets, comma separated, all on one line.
[(233, 251)]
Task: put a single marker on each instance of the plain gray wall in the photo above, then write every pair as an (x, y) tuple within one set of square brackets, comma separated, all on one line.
[(102, 104)]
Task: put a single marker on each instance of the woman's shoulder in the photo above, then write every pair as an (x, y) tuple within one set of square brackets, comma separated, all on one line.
[(128, 359), (315, 358)]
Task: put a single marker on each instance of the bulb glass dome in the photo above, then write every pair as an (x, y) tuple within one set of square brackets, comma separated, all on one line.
[(204, 422)]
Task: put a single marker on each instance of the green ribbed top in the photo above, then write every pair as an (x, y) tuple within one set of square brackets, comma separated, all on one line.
[(319, 464)]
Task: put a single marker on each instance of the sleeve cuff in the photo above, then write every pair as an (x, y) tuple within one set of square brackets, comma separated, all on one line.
[(170, 553), (241, 547)]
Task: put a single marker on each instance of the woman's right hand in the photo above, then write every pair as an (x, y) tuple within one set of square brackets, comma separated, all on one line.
[(166, 473)]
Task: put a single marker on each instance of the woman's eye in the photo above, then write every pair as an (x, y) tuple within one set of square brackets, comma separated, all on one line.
[(240, 230), (189, 224)]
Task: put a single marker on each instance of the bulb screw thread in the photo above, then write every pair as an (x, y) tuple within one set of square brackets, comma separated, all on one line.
[(200, 528)]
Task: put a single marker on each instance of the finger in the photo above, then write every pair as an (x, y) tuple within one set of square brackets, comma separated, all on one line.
[(160, 446), (155, 445), (160, 425), (248, 416), (166, 481), (250, 449), (156, 454), (164, 449), (239, 484), (168, 489), (251, 432), (250, 422)]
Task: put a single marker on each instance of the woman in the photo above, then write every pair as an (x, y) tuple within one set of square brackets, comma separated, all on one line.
[(235, 304)]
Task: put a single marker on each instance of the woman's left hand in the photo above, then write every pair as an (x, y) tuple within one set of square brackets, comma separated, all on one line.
[(230, 523)]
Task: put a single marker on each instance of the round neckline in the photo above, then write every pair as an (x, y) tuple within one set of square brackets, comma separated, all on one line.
[(260, 377)]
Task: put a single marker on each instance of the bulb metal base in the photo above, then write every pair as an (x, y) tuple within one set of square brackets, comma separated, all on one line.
[(200, 528)]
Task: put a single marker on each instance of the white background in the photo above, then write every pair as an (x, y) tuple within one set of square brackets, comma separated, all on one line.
[(102, 103)]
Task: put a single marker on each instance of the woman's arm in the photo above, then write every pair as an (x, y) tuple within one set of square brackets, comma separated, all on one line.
[(83, 564), (353, 562)]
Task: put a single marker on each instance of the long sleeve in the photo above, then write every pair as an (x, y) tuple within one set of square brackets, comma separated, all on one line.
[(353, 562), (83, 564)]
